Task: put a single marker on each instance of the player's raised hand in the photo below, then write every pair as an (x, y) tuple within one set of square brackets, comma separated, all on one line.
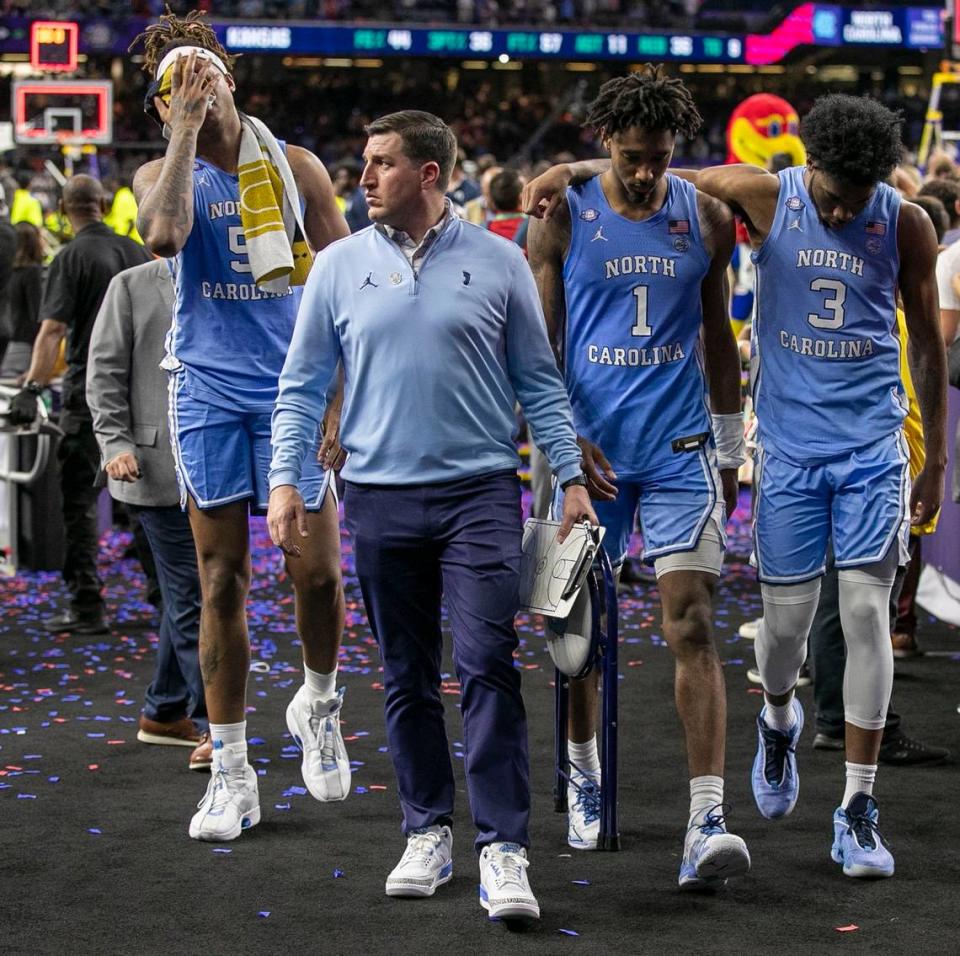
[(542, 195), (926, 495), (576, 508), (287, 519), (599, 471), (191, 93)]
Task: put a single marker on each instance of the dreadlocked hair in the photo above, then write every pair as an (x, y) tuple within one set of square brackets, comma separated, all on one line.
[(649, 99), (852, 138), (170, 32)]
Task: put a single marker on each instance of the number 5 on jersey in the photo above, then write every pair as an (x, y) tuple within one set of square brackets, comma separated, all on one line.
[(238, 245)]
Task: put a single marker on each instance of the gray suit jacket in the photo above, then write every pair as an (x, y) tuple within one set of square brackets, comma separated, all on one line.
[(127, 389)]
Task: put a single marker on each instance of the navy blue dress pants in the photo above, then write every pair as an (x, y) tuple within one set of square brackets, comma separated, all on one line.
[(177, 687), (459, 541)]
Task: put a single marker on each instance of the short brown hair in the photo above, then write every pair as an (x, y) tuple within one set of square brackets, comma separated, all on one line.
[(426, 138)]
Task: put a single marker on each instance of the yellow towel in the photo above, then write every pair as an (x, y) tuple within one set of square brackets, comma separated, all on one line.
[(270, 211)]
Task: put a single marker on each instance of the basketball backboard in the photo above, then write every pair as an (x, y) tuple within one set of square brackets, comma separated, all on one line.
[(63, 112)]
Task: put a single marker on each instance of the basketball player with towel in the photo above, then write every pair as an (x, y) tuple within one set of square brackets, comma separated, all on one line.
[(239, 269)]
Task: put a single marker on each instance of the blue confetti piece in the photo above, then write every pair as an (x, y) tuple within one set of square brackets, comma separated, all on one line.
[(255, 741), (337, 874), (221, 849), (359, 789), (53, 779), (568, 932), (26, 796), (580, 882), (94, 830), (263, 914), (281, 806)]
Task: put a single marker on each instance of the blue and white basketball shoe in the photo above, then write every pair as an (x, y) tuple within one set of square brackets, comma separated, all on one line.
[(775, 781), (857, 843), (231, 803), (583, 811), (504, 888), (711, 856), (315, 728)]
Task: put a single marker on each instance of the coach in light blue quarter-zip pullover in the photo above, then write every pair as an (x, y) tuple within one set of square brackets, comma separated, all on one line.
[(439, 328)]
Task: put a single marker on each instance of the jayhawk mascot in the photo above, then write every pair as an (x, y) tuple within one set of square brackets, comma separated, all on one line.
[(762, 126)]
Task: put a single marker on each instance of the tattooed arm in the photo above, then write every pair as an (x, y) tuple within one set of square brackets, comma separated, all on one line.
[(164, 188)]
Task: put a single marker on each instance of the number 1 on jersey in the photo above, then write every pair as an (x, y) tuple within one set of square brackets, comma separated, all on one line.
[(642, 326)]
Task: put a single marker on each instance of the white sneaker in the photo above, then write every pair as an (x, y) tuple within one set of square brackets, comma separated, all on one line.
[(583, 811), (426, 863), (315, 727), (749, 629), (231, 803), (504, 888)]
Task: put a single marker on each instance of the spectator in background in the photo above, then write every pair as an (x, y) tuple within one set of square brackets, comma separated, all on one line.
[(461, 188), (937, 213), (126, 392), (948, 192), (508, 221), (122, 217), (77, 283), (26, 207), (23, 297), (479, 210), (8, 252), (350, 197)]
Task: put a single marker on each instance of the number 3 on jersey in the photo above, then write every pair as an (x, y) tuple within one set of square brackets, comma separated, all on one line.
[(238, 245), (642, 326), (832, 303)]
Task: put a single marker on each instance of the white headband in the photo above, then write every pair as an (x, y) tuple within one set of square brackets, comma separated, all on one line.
[(180, 51)]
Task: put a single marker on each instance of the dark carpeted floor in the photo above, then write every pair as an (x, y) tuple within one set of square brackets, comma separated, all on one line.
[(93, 825)]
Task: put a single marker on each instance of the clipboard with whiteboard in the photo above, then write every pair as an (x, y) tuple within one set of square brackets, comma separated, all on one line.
[(551, 574)]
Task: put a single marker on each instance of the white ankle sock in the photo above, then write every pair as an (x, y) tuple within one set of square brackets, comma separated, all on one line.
[(780, 716), (584, 757), (860, 779), (320, 686), (705, 793), (232, 736)]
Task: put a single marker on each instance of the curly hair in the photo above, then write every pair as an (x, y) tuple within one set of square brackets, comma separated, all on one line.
[(170, 32), (649, 99), (853, 139)]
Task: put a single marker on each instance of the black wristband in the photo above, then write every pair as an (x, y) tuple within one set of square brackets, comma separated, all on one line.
[(580, 479)]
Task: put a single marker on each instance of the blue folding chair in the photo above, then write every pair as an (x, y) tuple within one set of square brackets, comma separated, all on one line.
[(602, 653)]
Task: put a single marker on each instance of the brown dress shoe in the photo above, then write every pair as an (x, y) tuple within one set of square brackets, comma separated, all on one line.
[(177, 733), (904, 646), (202, 756)]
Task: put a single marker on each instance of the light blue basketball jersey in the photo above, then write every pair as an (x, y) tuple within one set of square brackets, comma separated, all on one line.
[(230, 336), (632, 355), (828, 377)]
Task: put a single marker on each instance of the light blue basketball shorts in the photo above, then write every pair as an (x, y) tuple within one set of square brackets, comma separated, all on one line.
[(223, 455), (861, 500), (674, 501)]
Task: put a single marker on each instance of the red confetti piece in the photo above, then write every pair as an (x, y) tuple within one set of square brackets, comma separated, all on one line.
[(377, 786), (93, 766), (847, 929), (114, 742)]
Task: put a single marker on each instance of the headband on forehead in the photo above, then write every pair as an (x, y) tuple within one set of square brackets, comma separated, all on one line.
[(179, 51)]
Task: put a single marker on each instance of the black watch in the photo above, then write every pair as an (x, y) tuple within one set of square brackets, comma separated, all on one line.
[(34, 388), (580, 479)]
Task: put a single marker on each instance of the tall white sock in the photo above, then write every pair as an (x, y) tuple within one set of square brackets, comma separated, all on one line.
[(584, 757), (320, 686), (705, 793), (860, 779), (780, 716), (229, 739)]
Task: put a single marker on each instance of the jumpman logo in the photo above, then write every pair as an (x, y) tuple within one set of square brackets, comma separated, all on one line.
[(369, 281), (599, 235), (795, 225), (466, 278)]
